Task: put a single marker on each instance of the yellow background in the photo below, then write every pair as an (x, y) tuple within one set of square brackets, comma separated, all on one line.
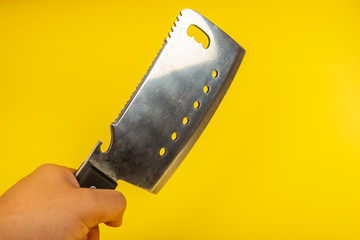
[(279, 160)]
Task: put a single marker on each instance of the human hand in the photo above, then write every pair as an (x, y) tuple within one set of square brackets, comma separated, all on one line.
[(49, 204)]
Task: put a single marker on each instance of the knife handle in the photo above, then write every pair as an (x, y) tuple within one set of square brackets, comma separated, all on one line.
[(89, 176)]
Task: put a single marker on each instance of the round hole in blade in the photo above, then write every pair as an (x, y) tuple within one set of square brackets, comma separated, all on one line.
[(174, 136), (215, 74), (162, 151), (186, 121), (196, 104), (206, 89)]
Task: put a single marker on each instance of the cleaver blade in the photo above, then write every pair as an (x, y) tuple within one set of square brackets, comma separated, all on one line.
[(168, 110)]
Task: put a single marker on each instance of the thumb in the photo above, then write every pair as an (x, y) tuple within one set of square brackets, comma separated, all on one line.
[(101, 206)]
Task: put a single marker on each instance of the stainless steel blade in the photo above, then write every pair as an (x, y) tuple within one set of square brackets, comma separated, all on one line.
[(180, 76)]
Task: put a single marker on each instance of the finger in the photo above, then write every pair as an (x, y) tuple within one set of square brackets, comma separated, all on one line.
[(72, 170), (101, 206), (116, 223), (52, 170), (70, 175), (94, 233)]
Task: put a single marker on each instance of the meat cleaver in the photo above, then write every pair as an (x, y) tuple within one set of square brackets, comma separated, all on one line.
[(168, 110)]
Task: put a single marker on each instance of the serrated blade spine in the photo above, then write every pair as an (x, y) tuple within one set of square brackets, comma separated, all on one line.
[(147, 73)]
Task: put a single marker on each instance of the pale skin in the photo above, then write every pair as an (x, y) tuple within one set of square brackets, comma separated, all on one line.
[(49, 204)]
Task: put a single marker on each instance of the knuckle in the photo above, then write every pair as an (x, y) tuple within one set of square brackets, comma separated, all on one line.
[(120, 197), (45, 167), (119, 200)]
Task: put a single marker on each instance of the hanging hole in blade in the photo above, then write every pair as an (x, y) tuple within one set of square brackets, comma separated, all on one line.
[(199, 35)]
